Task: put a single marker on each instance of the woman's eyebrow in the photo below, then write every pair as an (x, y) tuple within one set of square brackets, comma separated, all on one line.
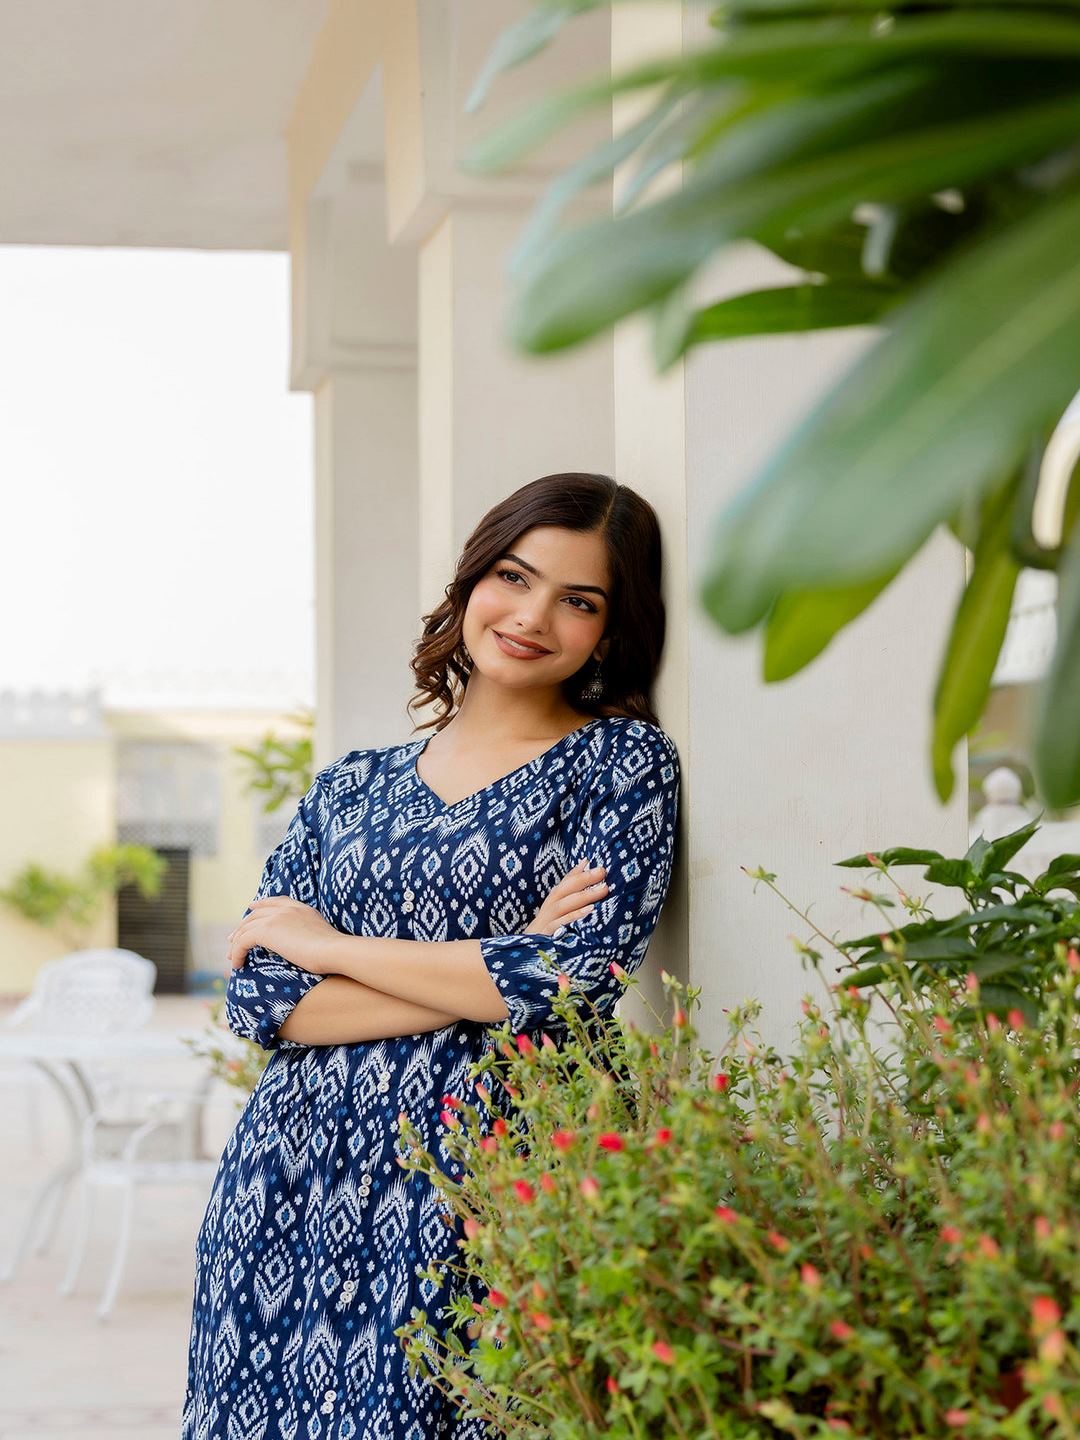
[(590, 589)]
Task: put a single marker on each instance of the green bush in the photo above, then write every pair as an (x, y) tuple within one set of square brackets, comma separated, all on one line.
[(658, 1242)]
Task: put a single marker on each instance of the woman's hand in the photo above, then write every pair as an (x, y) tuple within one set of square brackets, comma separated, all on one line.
[(290, 929), (574, 896)]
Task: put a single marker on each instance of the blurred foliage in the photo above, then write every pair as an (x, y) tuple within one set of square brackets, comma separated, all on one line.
[(71, 904), (284, 768), (919, 167)]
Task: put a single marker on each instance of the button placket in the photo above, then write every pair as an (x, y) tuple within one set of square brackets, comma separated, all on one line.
[(328, 1402)]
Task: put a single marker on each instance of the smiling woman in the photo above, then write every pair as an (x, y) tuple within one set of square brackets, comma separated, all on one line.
[(402, 917)]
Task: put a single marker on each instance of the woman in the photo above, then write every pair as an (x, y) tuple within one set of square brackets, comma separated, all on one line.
[(406, 912)]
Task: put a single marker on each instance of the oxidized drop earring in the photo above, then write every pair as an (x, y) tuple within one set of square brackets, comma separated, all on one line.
[(594, 688)]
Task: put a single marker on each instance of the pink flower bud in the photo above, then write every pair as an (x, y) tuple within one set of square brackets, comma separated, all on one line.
[(563, 982), (957, 1418), (540, 1320), (611, 1141), (989, 1247), (840, 1330), (563, 1139), (524, 1191), (951, 1235), (662, 1136), (726, 1214), (721, 1081), (1016, 1019), (811, 1276), (497, 1298), (451, 1102), (525, 1045), (547, 1183), (617, 970), (663, 1351), (777, 1241), (589, 1187), (1052, 1347)]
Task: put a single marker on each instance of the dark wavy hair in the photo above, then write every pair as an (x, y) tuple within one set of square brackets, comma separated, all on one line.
[(636, 618)]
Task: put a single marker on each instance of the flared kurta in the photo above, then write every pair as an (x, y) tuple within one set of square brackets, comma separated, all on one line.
[(308, 1254)]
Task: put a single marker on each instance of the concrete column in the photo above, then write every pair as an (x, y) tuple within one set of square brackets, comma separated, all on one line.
[(355, 349), (491, 419), (797, 775)]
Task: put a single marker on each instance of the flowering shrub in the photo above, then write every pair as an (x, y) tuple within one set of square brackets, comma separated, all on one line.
[(1007, 938), (877, 1236)]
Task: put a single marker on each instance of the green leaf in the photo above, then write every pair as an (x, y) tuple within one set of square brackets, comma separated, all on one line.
[(997, 962), (788, 309), (982, 356), (957, 873), (1061, 865), (531, 34), (897, 855), (1056, 747), (802, 622), (1000, 999), (1002, 850), (975, 640)]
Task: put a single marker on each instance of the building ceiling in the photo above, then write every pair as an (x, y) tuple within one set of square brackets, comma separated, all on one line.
[(149, 122)]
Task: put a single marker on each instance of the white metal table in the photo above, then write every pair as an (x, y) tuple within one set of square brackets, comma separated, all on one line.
[(63, 1058)]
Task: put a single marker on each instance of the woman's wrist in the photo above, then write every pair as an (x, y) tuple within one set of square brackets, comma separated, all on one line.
[(335, 952)]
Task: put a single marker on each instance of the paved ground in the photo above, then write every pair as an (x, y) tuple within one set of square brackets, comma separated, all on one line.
[(63, 1372)]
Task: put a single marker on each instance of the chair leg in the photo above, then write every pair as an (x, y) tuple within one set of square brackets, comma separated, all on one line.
[(120, 1254), (82, 1230), (49, 1215)]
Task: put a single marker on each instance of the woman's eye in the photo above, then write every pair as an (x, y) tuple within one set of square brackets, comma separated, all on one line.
[(584, 604)]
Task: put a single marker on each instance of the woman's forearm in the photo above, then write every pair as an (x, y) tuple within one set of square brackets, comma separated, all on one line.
[(450, 974), (343, 1011)]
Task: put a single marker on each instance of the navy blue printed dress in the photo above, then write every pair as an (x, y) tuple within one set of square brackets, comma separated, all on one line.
[(313, 1234)]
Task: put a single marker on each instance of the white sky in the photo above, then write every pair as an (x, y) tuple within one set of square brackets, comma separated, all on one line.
[(156, 479)]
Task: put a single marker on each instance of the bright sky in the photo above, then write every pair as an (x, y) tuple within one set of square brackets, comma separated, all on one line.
[(156, 479)]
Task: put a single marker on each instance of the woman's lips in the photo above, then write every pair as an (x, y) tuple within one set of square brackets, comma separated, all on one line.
[(508, 649)]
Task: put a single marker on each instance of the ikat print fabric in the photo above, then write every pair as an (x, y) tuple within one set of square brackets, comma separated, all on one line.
[(307, 1257)]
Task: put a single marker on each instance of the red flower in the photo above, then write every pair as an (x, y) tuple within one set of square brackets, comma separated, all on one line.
[(777, 1241), (589, 1187), (497, 1298), (1045, 1313), (941, 1025), (652, 1049), (610, 1141), (951, 1235), (1056, 1130), (971, 981), (525, 1045), (489, 1144), (524, 1191), (563, 1139), (1016, 1019), (564, 982), (1073, 957), (989, 1247), (811, 1276), (1043, 1228), (498, 1126), (726, 1214), (1052, 1347), (612, 1385), (472, 1227), (449, 1118), (617, 971), (483, 1092), (540, 1320), (663, 1351), (546, 1041), (662, 1136), (957, 1417), (840, 1330), (680, 1016), (507, 1049), (547, 1183), (721, 1081), (451, 1102)]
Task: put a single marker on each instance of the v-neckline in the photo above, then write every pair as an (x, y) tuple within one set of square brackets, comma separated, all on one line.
[(421, 746)]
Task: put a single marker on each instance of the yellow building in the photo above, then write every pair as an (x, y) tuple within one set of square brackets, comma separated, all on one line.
[(78, 775)]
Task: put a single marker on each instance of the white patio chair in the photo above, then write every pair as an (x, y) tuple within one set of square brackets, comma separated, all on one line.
[(99, 991), (163, 1148)]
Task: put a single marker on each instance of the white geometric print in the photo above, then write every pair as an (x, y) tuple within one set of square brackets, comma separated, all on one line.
[(309, 1251)]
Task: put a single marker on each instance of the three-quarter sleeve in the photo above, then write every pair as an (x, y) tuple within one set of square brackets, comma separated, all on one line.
[(263, 991), (628, 825)]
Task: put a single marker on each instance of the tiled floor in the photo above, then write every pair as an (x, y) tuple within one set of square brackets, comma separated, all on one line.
[(63, 1372)]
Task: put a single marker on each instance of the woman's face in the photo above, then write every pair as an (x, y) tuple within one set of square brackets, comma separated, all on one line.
[(551, 587)]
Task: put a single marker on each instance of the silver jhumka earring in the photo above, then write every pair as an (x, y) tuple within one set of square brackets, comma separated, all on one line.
[(593, 688)]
